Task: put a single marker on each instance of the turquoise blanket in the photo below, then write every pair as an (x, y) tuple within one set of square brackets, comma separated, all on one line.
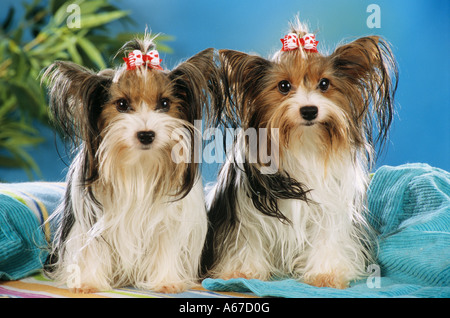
[(410, 209), (24, 235)]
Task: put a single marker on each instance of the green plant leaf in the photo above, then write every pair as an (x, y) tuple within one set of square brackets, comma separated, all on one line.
[(72, 49), (60, 15), (92, 6), (92, 52), (7, 106), (27, 98), (9, 18), (95, 20), (25, 161)]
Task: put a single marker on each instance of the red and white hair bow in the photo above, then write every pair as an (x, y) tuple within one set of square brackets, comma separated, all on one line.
[(136, 59), (292, 42)]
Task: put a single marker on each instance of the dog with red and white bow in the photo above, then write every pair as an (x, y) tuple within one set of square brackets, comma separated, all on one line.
[(324, 115), (132, 215)]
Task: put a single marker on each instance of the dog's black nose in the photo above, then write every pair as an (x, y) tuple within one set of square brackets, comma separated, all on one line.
[(309, 112), (146, 137)]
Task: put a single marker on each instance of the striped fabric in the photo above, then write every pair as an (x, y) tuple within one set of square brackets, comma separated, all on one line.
[(40, 197), (38, 286)]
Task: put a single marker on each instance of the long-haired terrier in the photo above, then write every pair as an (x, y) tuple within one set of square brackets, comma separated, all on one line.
[(320, 114), (132, 215)]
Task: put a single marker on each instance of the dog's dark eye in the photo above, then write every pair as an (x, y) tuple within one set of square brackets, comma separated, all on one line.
[(123, 106), (164, 104), (324, 83), (284, 87)]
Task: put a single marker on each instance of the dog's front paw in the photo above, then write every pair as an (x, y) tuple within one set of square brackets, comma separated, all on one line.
[(235, 274), (246, 275), (84, 289), (170, 288), (326, 280)]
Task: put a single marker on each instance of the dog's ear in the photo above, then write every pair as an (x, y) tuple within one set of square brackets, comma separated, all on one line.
[(369, 65), (76, 96), (196, 83), (203, 61), (359, 58), (244, 78), (238, 65)]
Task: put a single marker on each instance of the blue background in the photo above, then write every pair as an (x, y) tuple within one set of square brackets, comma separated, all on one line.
[(418, 31)]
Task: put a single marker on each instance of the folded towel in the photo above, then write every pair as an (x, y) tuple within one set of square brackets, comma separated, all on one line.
[(290, 288), (410, 209), (24, 235)]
